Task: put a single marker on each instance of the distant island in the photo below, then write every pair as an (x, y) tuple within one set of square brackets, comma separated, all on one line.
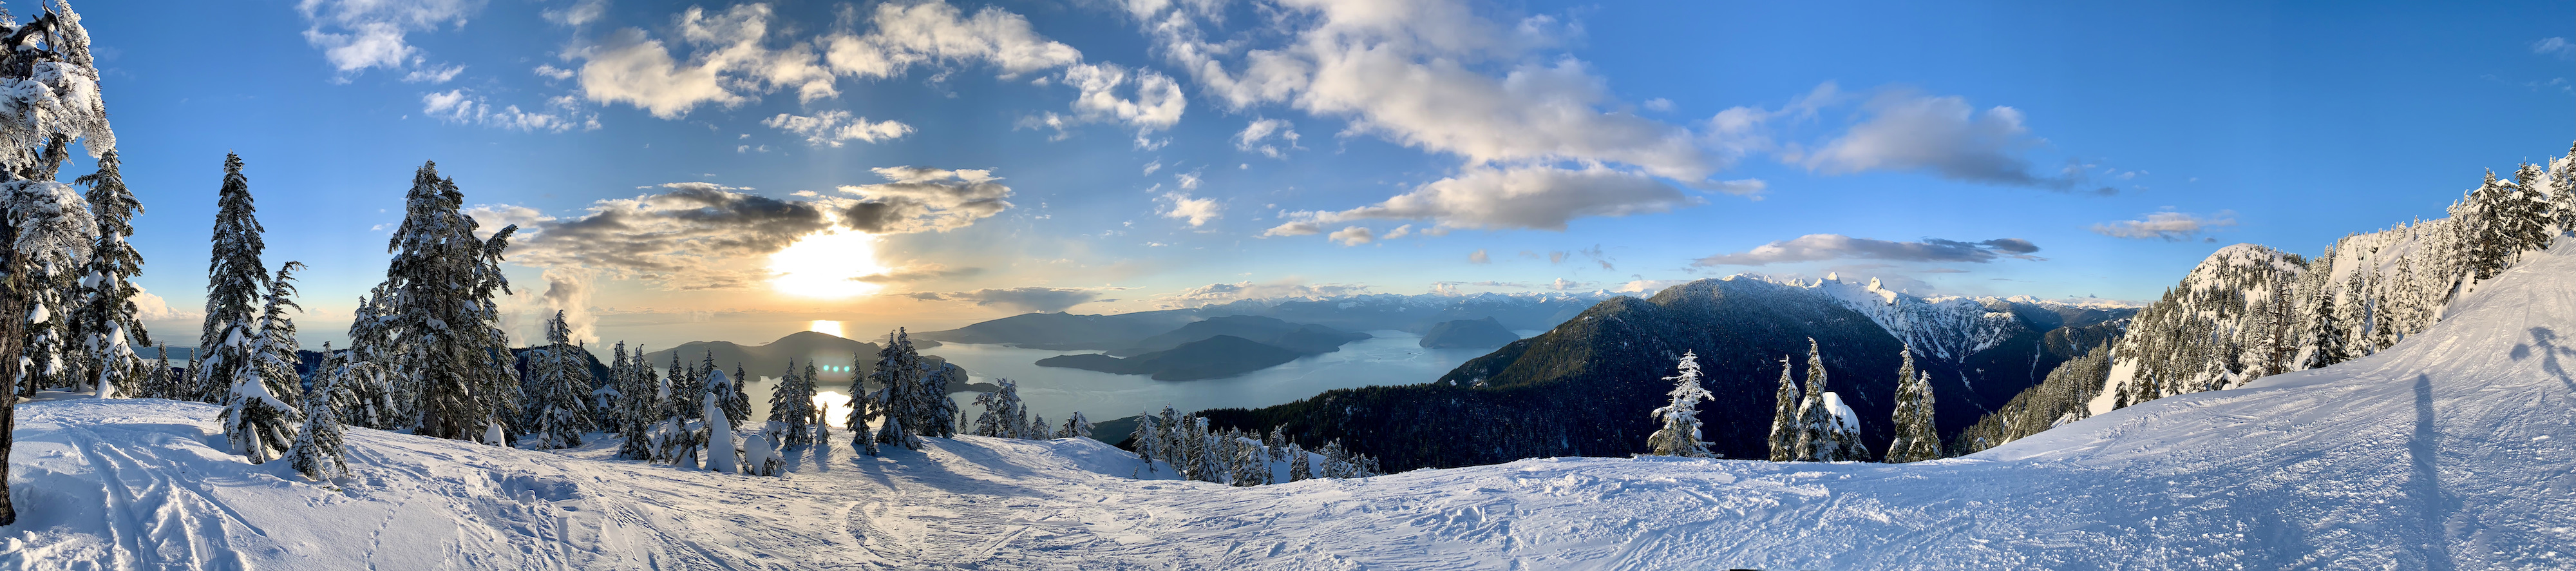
[(1468, 334), (1215, 357)]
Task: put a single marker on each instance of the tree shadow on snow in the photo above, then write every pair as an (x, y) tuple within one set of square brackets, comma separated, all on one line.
[(2547, 341), (2427, 484)]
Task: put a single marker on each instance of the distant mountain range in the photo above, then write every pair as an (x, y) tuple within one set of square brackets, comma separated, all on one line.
[(1584, 387), (1213, 348), (1408, 313)]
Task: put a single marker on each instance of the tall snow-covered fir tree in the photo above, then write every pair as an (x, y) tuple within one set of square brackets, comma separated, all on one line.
[(384, 404), (257, 418), (445, 324), (914, 407), (737, 405), (1004, 415), (1149, 440), (1680, 416), (1784, 416), (558, 410), (791, 407), (1916, 437), (641, 408), (1818, 436), (233, 280), (608, 398), (104, 326), (319, 452), (54, 97)]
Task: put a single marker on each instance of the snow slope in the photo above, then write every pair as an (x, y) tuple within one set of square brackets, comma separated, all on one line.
[(2455, 449)]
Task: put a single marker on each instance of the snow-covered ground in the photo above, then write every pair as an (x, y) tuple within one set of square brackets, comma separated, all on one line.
[(2454, 450)]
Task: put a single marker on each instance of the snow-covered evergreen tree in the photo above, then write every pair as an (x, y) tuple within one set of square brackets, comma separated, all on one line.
[(445, 324), (737, 406), (158, 383), (1784, 416), (913, 407), (1816, 422), (233, 280), (1248, 463), (865, 408), (1149, 440), (791, 406), (721, 455), (318, 452), (1680, 415), (104, 324), (1004, 415), (640, 409), (1076, 427), (386, 404), (1300, 467), (1916, 438), (558, 412), (257, 419)]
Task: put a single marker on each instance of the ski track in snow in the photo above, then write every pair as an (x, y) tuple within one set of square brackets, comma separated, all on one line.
[(2453, 450)]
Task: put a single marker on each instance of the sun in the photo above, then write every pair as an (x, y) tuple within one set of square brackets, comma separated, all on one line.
[(826, 264)]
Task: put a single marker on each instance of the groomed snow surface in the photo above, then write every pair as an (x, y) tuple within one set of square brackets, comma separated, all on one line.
[(2453, 450)]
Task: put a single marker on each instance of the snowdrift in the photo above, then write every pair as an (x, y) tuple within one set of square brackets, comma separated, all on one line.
[(2453, 450)]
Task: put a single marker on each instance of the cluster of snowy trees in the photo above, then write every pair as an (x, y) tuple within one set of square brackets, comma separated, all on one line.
[(65, 263), (1809, 425), (2249, 311), (1187, 447), (1005, 416)]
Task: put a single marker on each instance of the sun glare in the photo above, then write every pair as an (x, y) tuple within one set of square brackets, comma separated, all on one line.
[(826, 264), (828, 327)]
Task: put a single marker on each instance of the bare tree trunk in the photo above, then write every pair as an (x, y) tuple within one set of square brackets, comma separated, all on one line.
[(13, 337)]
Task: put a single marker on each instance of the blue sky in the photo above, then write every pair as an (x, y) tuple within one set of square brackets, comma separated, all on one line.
[(1142, 148)]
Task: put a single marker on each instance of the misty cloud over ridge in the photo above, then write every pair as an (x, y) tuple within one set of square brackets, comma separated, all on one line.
[(1819, 247)]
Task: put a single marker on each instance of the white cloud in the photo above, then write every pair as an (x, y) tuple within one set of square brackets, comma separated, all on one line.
[(552, 72), (832, 128), (730, 64), (1255, 137), (1433, 74), (924, 200), (1196, 210), (458, 106), (1941, 135), (1157, 105), (1479, 257), (358, 34), (1658, 104), (2167, 226), (1353, 236), (1818, 247), (937, 32), (1188, 180), (2555, 46), (1153, 166), (433, 74), (581, 12), (1228, 292), (1541, 198)]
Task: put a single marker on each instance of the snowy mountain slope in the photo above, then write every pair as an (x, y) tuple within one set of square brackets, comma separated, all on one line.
[(2454, 449)]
